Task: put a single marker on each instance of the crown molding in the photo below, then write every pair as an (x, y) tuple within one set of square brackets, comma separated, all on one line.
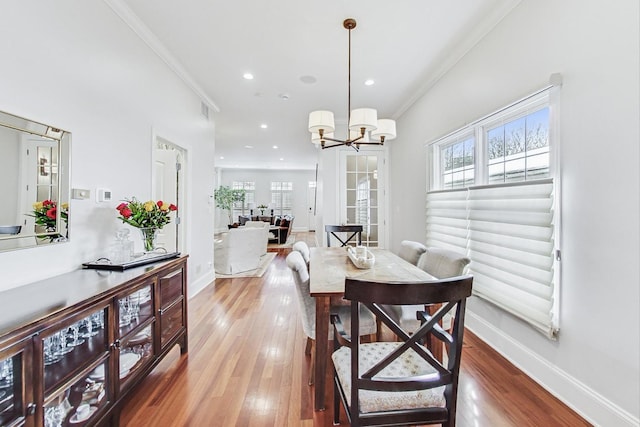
[(146, 35), (453, 56)]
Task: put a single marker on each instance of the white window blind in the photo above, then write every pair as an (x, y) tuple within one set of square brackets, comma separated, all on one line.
[(507, 232), (447, 221)]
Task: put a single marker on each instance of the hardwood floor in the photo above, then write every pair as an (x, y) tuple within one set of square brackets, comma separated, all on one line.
[(246, 367)]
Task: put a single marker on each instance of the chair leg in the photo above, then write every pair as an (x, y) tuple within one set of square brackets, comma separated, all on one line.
[(336, 402), (309, 346), (312, 370), (378, 330)]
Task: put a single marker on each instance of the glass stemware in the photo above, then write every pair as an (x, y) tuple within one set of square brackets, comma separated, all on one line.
[(53, 416), (6, 372), (73, 335), (86, 329)]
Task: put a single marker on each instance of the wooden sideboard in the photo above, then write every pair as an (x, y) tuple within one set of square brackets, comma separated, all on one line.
[(73, 346)]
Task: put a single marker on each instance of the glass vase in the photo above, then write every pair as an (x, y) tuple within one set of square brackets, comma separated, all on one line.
[(148, 238)]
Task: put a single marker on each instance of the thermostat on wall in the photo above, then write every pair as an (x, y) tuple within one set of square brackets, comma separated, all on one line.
[(103, 195)]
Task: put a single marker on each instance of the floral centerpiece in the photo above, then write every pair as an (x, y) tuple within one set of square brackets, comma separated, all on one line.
[(262, 208), (148, 217), (45, 214)]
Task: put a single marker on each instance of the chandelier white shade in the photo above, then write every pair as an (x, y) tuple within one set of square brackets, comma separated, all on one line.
[(385, 131), (321, 120), (362, 121), (363, 118)]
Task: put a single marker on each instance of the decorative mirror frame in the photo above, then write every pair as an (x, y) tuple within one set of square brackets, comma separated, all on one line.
[(15, 235)]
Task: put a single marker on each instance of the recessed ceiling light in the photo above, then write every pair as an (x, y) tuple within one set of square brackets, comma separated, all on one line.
[(369, 82), (281, 158), (247, 76), (275, 147), (248, 146), (221, 157), (263, 126), (308, 79), (284, 96)]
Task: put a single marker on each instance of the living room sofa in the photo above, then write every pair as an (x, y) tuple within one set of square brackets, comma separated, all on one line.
[(240, 249), (284, 224)]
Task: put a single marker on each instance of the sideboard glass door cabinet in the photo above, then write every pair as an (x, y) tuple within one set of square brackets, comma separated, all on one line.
[(70, 359), (15, 397), (75, 360)]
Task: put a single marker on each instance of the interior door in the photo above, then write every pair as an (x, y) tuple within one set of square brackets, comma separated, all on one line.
[(40, 178), (168, 172), (363, 194), (311, 205)]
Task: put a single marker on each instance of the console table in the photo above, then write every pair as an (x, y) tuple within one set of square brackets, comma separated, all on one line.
[(72, 347)]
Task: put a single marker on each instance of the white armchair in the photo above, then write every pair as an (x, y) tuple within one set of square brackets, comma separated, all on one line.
[(240, 249), (263, 226)]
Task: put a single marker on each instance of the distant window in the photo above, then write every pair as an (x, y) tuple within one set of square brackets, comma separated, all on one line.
[(242, 208), (282, 197)]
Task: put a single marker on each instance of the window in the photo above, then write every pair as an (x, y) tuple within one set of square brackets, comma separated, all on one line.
[(518, 150), (457, 164), (241, 208), (493, 196), (281, 197)]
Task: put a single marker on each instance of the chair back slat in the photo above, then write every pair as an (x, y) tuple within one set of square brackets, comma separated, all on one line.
[(436, 291), (354, 230)]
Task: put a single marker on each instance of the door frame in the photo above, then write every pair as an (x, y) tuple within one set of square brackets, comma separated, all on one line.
[(161, 143), (383, 205)]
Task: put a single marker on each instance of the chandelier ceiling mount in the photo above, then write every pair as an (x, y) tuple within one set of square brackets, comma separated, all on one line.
[(364, 126)]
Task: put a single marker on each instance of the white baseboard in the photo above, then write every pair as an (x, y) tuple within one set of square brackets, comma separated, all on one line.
[(591, 405), (195, 287)]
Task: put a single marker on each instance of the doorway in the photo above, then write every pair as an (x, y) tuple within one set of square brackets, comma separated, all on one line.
[(363, 195), (311, 204), (168, 186)]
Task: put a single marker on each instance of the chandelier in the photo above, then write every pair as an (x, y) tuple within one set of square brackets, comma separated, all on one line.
[(364, 126)]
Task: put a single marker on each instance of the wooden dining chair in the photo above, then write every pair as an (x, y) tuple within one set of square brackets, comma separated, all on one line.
[(307, 305), (10, 229), (399, 383), (355, 230)]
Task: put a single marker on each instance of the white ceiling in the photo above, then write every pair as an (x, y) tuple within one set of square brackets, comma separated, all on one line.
[(403, 45)]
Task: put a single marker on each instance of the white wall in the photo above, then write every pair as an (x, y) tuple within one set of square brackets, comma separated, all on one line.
[(594, 366), (263, 178), (77, 66)]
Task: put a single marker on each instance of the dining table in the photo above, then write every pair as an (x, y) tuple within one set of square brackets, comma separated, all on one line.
[(328, 268)]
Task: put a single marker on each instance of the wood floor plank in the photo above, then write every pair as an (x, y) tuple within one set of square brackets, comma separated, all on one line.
[(246, 367)]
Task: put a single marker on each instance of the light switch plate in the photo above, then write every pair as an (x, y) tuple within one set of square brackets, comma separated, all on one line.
[(80, 193)]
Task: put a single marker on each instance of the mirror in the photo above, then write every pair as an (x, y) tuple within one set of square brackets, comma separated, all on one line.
[(34, 182)]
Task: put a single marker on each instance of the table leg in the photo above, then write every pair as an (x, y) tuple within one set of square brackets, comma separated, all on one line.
[(437, 345), (322, 344)]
